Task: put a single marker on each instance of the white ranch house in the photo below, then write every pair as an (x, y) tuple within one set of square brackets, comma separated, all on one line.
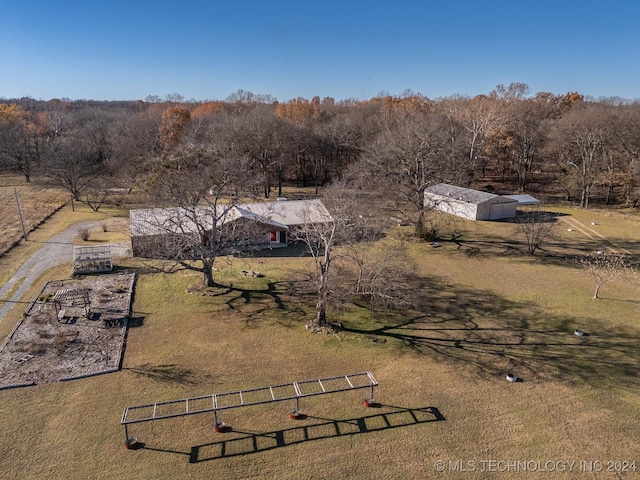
[(272, 222), (474, 204)]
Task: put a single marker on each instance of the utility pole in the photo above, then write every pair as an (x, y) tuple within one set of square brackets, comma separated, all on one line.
[(24, 228)]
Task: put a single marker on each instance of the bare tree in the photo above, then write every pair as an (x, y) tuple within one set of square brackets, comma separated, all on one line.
[(627, 134), (376, 272), (96, 193), (256, 136), (406, 159), (322, 231), (578, 143), (320, 235), (515, 145), (348, 259), (605, 267), (200, 191), (480, 117), (536, 225), (74, 164)]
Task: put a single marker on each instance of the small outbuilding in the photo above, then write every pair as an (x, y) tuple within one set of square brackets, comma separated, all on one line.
[(93, 259), (468, 203)]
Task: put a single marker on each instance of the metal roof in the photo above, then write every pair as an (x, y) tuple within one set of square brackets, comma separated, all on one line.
[(281, 215), (524, 199), (463, 194), (95, 252)]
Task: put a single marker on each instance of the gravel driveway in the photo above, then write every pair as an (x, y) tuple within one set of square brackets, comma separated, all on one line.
[(55, 251)]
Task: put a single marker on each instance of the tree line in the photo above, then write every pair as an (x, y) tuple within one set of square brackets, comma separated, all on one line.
[(583, 150)]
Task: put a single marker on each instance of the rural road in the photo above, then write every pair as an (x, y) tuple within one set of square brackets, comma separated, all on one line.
[(55, 251)]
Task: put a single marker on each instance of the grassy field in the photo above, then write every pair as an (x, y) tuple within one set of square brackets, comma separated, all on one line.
[(485, 310), (37, 201)]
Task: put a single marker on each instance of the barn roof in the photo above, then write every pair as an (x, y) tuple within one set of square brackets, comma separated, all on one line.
[(463, 194), (280, 215), (524, 199)]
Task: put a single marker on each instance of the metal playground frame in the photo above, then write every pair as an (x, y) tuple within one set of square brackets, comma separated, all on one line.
[(244, 398)]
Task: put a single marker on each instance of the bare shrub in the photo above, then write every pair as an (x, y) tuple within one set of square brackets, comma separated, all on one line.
[(36, 348), (40, 318), (60, 342), (536, 226), (84, 234), (435, 225)]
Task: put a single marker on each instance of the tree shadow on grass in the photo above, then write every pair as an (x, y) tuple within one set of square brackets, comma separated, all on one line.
[(166, 373), (494, 336), (556, 251), (246, 295), (239, 442), (261, 302)]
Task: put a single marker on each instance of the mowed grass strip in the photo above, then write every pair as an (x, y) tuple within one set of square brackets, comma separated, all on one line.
[(442, 393)]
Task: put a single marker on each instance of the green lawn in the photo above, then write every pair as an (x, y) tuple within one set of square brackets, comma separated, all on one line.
[(484, 310)]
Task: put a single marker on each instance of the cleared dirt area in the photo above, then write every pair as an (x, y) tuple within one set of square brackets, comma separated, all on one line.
[(69, 338)]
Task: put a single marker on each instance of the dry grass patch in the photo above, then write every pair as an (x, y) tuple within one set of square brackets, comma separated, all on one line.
[(65, 218), (38, 202), (442, 389)]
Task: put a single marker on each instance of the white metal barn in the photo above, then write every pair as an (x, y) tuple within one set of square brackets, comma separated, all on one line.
[(468, 203)]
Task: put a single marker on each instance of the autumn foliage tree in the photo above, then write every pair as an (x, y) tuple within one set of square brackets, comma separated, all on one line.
[(174, 122)]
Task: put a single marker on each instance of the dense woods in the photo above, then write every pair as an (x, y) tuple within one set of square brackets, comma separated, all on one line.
[(560, 147)]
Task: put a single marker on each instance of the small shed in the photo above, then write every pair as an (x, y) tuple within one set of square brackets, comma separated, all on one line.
[(93, 259), (468, 203)]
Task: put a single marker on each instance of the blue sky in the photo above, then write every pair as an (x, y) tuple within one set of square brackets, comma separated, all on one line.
[(126, 50)]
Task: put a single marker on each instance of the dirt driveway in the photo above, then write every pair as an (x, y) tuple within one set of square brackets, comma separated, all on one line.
[(594, 235), (55, 251)]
